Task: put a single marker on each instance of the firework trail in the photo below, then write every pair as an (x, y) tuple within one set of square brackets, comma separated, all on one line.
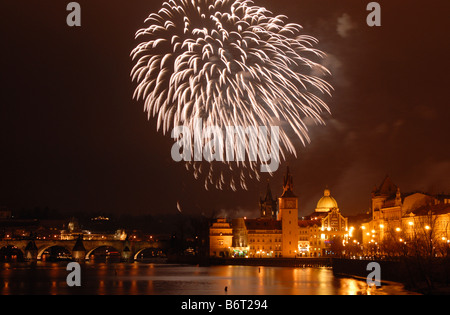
[(230, 63)]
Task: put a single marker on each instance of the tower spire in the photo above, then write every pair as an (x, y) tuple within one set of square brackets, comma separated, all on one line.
[(268, 191), (288, 185), (268, 205)]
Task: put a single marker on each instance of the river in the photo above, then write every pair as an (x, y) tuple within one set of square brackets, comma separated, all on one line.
[(46, 278)]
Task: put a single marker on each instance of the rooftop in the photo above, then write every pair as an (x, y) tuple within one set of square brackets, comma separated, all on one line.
[(262, 224)]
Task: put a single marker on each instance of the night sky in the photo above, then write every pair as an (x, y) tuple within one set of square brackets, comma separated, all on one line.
[(73, 139)]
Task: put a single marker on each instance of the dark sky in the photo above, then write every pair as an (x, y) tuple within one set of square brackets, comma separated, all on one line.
[(73, 139)]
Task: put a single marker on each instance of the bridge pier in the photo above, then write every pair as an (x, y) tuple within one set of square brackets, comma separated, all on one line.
[(126, 252), (31, 252), (79, 251)]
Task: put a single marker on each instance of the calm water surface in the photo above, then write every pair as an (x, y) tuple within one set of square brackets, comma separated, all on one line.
[(163, 279)]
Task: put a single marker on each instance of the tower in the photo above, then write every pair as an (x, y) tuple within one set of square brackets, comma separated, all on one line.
[(288, 214), (387, 191), (268, 205)]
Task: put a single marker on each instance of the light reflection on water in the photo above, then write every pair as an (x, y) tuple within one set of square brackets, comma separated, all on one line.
[(161, 279)]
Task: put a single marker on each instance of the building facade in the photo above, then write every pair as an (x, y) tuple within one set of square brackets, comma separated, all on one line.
[(279, 232), (220, 238), (324, 227), (401, 218)]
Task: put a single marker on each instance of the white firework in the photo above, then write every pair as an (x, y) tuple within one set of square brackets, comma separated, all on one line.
[(230, 63)]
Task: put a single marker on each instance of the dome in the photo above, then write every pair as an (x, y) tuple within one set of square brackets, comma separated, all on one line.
[(326, 203)]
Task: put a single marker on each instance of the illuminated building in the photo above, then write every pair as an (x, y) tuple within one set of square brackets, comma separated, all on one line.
[(404, 217), (220, 238), (73, 231), (279, 232), (263, 238), (324, 226), (432, 219), (326, 203), (288, 215)]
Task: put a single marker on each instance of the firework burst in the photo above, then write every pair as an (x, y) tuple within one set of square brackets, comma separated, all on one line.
[(230, 63)]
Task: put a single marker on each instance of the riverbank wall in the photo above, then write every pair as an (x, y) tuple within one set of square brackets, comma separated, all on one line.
[(272, 262), (419, 275), (390, 270)]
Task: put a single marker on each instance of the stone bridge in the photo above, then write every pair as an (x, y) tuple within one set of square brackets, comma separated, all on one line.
[(79, 249)]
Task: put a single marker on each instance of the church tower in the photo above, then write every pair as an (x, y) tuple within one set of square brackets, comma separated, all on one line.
[(268, 205), (288, 214)]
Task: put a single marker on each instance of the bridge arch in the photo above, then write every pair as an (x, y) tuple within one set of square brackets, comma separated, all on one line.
[(127, 250), (42, 250), (141, 250), (11, 252), (108, 246)]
